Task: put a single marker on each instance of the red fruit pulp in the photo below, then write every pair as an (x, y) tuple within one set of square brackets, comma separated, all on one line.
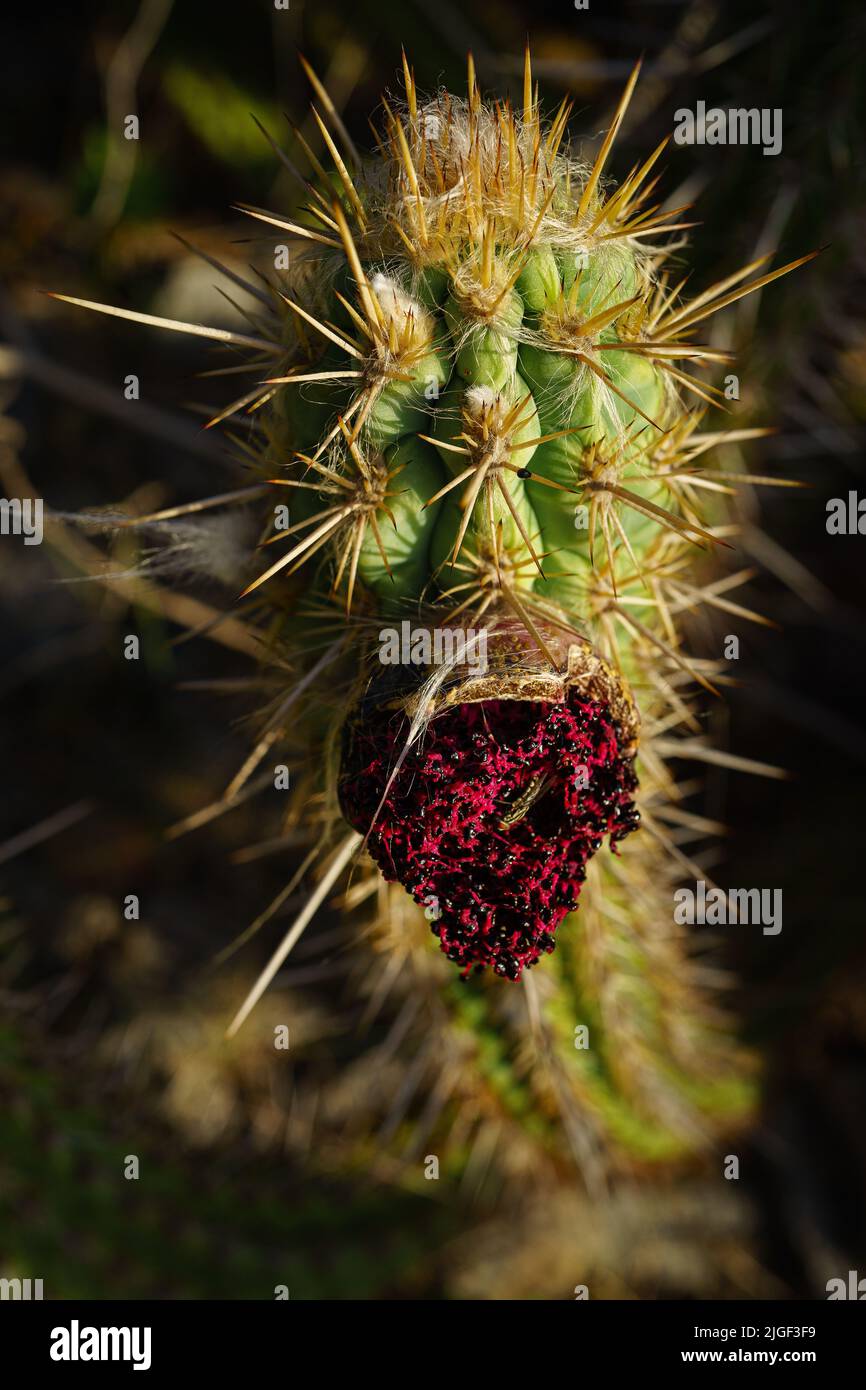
[(491, 818)]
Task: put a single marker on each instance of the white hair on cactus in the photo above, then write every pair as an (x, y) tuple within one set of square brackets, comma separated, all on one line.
[(216, 547), (392, 297), (431, 124), (398, 306), (479, 399)]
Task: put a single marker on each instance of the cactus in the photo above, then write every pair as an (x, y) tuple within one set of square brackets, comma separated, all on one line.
[(481, 399)]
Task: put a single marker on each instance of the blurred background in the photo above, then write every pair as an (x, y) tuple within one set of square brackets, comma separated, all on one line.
[(111, 1041)]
